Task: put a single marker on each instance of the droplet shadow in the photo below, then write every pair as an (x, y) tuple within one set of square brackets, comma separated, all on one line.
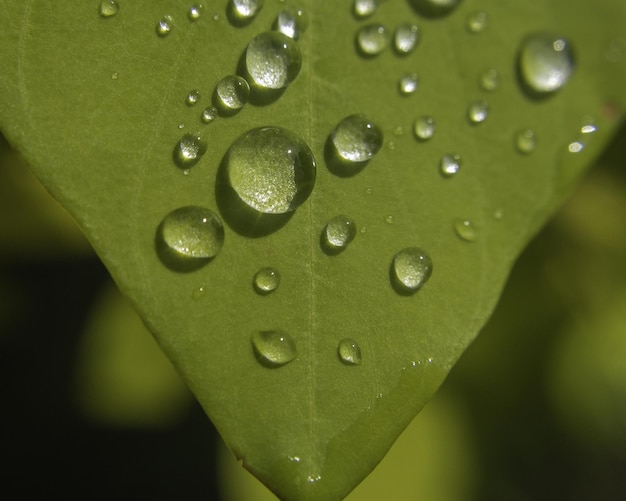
[(430, 9)]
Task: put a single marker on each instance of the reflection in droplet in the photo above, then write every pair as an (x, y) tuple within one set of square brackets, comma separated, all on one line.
[(273, 60), (424, 128), (465, 230), (338, 233), (372, 39), (192, 97), (209, 114), (291, 22), (478, 112), (195, 11), (164, 26), (525, 141), (405, 38), (108, 8), (271, 170), (408, 84), (450, 165), (232, 93), (266, 280), (356, 138), (490, 80), (198, 293), (274, 348), (477, 22), (410, 269), (576, 147), (188, 150), (245, 10), (349, 352), (546, 63), (364, 8)]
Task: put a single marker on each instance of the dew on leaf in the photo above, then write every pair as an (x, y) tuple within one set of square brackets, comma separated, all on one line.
[(244, 11), (478, 112), (364, 8), (490, 80), (108, 8), (337, 234), (576, 147), (424, 128), (349, 352), (356, 139), (477, 22), (405, 38), (266, 280), (164, 26), (271, 170), (546, 63), (410, 269), (372, 39), (273, 348), (195, 11), (115, 75), (291, 22), (408, 84), (434, 8), (198, 293), (465, 230), (525, 141), (188, 150), (389, 219), (209, 114), (450, 165), (192, 97), (231, 93), (273, 60)]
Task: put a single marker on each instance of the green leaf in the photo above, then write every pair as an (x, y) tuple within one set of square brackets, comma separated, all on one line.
[(94, 105)]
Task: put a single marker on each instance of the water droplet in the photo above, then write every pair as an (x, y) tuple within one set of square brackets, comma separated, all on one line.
[(115, 75), (498, 214), (108, 8), (450, 165), (478, 112), (424, 128), (356, 138), (291, 22), (195, 11), (266, 280), (525, 141), (372, 39), (188, 150), (389, 219), (545, 62), (198, 293), (349, 352), (588, 128), (477, 22), (398, 131), (164, 26), (410, 269), (192, 97), (364, 8), (232, 93), (391, 144), (274, 348), (313, 478), (244, 11), (490, 80), (271, 170), (189, 236), (216, 16), (408, 84), (337, 234), (576, 147), (209, 114), (434, 8), (273, 60), (405, 38), (465, 230)]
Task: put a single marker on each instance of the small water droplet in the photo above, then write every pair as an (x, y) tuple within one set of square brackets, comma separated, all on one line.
[(314, 478), (450, 165), (291, 22), (490, 80), (546, 63), (164, 26), (294, 459), (271, 170), (108, 8), (477, 22), (465, 230), (576, 147), (389, 219), (215, 16), (498, 214), (209, 114), (266, 280), (408, 84), (244, 11), (588, 128), (424, 128), (478, 112), (368, 191), (364, 8), (188, 150), (192, 97), (372, 39), (410, 269), (195, 11), (274, 348), (356, 139), (198, 293), (406, 38), (337, 234), (349, 352), (398, 131), (525, 141), (434, 8), (232, 93), (273, 60), (190, 234), (115, 75)]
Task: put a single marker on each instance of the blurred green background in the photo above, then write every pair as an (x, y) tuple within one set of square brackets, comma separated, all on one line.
[(534, 410)]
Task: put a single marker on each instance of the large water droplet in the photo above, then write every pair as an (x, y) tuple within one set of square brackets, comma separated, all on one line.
[(410, 269), (434, 8), (109, 8), (231, 93), (477, 21), (525, 141), (266, 280), (244, 11), (192, 97), (349, 352), (188, 150), (405, 38), (209, 114), (465, 229), (364, 8), (195, 11), (372, 39), (546, 63), (164, 26), (271, 170), (450, 165), (408, 84), (424, 128), (291, 22), (273, 60), (274, 348), (490, 80), (337, 234), (356, 139), (189, 237), (478, 112)]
